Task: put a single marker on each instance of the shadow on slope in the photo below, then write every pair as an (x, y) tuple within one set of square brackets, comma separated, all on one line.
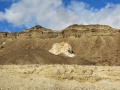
[(39, 56)]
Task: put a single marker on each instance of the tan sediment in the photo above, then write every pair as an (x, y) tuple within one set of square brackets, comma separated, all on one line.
[(59, 77)]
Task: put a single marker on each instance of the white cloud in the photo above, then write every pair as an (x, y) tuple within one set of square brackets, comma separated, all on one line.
[(52, 14), (1, 16), (8, 1)]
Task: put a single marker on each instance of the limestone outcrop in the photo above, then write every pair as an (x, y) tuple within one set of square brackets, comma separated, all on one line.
[(62, 48)]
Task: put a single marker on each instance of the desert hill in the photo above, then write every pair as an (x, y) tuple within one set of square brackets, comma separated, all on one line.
[(91, 45)]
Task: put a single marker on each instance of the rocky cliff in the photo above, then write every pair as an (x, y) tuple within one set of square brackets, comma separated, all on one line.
[(91, 44)]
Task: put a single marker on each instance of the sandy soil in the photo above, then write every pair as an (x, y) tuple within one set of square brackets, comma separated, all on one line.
[(59, 77)]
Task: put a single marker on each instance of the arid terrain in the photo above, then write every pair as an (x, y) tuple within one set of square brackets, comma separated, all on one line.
[(59, 77), (91, 45), (79, 57)]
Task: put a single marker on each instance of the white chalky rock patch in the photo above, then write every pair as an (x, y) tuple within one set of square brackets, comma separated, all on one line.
[(3, 43), (62, 48)]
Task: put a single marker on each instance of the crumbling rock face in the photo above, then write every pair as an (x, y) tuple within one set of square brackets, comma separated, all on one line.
[(89, 30), (62, 48), (89, 27)]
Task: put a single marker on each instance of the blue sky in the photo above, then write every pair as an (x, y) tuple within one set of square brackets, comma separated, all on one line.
[(17, 15)]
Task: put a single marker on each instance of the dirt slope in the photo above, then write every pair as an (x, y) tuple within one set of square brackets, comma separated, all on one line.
[(91, 44)]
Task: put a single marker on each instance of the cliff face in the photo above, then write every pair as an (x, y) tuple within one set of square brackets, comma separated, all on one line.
[(91, 44)]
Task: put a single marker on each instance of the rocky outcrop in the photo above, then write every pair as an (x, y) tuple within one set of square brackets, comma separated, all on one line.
[(73, 30), (62, 48), (89, 30)]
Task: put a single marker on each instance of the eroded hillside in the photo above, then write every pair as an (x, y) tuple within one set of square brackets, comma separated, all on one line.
[(91, 44)]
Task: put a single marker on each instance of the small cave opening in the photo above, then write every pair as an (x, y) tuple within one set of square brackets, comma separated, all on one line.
[(70, 51)]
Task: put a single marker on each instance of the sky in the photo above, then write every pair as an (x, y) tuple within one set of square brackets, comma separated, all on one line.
[(17, 15)]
